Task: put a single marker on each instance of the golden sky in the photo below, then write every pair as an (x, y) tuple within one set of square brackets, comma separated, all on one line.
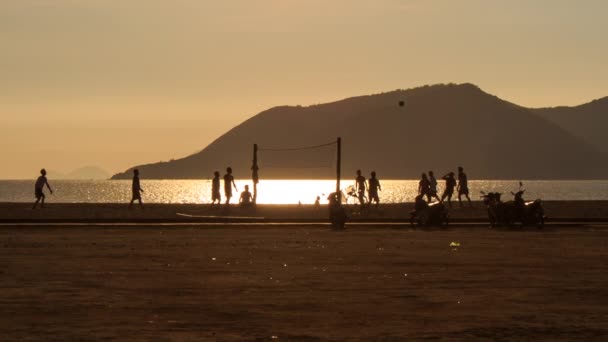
[(116, 83)]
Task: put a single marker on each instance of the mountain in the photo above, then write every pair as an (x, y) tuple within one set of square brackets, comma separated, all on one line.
[(438, 128), (587, 122)]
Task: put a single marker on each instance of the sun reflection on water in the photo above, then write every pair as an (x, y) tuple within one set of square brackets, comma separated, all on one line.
[(280, 191)]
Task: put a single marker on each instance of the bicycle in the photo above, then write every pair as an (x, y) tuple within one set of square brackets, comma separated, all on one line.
[(351, 197)]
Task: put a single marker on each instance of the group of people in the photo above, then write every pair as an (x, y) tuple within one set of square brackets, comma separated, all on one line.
[(372, 185), (246, 198), (427, 187)]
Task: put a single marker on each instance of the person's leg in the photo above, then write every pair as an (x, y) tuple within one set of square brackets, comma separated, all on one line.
[(36, 203), (469, 199), (42, 201)]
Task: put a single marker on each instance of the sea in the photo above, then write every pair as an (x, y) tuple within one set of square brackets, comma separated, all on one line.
[(283, 191)]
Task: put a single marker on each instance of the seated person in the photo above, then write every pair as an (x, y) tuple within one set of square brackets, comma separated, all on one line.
[(246, 198)]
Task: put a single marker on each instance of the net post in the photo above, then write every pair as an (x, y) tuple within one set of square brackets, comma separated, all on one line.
[(338, 170), (254, 173)]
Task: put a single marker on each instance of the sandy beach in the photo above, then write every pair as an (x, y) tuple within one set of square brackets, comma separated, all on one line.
[(180, 283), (154, 212)]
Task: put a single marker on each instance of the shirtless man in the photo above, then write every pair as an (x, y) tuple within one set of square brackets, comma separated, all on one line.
[(40, 183), (360, 186)]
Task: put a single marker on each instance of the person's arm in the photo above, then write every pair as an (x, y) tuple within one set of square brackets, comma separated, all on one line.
[(379, 186), (234, 184), (48, 186)]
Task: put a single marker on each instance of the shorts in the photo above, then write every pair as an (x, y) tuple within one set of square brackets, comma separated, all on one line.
[(373, 196), (215, 195), (38, 193), (463, 191), (136, 196), (228, 192)]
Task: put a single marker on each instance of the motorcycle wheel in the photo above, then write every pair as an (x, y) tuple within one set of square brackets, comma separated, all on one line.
[(540, 223)]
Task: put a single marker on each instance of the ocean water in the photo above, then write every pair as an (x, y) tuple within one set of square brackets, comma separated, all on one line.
[(281, 191)]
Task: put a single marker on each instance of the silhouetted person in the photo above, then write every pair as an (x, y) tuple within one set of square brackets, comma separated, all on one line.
[(432, 187), (137, 190), (39, 186), (246, 198), (420, 204), (360, 186), (424, 186), (450, 184), (318, 202), (215, 189), (374, 187), (228, 183), (463, 186)]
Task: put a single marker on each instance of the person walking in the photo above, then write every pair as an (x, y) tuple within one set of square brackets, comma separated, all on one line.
[(463, 186), (228, 183), (450, 184), (39, 186), (424, 186), (360, 186), (215, 189), (137, 190), (432, 187), (374, 186)]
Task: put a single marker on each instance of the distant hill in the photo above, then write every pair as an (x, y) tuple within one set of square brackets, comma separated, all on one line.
[(82, 173), (588, 122), (439, 128)]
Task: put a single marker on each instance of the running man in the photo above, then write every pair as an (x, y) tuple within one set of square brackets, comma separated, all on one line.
[(463, 186), (137, 190), (228, 183), (215, 189), (360, 186), (40, 183), (432, 187), (374, 186), (450, 184)]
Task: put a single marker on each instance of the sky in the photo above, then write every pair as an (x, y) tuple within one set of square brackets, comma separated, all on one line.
[(117, 83)]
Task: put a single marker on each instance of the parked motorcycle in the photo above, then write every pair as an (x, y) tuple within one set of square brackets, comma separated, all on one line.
[(424, 214), (516, 211)]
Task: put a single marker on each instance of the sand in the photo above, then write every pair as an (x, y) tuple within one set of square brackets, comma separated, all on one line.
[(180, 283), (91, 212)]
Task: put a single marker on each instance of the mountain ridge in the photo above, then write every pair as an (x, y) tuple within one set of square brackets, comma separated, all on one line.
[(439, 127)]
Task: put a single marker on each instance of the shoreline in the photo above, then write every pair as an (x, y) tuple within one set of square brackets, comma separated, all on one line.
[(556, 212)]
